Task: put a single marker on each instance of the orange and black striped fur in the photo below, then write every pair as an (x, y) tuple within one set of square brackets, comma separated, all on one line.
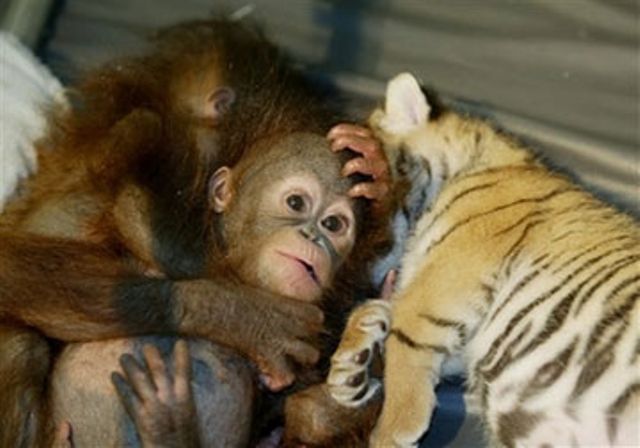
[(529, 279)]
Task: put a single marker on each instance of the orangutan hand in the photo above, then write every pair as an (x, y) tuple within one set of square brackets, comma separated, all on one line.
[(372, 161), (63, 436), (161, 407)]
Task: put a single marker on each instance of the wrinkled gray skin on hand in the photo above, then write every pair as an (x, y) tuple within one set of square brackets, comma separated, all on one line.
[(83, 394)]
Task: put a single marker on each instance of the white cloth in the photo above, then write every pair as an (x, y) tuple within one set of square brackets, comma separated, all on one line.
[(26, 88)]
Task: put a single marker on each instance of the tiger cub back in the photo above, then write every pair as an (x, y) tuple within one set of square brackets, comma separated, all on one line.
[(514, 268)]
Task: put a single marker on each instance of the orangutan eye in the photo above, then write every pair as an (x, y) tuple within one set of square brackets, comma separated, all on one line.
[(296, 203), (333, 223)]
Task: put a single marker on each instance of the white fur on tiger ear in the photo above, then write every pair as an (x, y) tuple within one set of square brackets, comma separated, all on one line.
[(406, 107)]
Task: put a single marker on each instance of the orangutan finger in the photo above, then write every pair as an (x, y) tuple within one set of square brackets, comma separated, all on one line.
[(348, 128), (303, 352), (63, 437), (371, 190), (158, 372), (182, 378), (128, 398), (368, 147), (276, 374), (138, 379), (375, 168)]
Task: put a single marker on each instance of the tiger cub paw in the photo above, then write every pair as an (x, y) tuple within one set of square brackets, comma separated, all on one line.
[(349, 382)]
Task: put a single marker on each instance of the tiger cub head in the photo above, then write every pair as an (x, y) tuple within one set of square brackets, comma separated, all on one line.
[(439, 141), (403, 127), (399, 126)]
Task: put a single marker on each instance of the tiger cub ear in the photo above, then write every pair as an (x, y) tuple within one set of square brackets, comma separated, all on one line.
[(406, 107)]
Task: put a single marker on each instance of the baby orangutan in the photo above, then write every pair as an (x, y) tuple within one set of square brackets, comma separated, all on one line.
[(133, 226), (287, 223)]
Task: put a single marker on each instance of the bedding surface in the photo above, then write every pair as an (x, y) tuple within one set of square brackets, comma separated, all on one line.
[(26, 88)]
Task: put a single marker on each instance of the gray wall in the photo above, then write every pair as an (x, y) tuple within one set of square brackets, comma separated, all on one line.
[(562, 74)]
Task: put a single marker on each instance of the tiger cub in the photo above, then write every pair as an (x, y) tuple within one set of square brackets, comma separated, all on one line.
[(511, 267)]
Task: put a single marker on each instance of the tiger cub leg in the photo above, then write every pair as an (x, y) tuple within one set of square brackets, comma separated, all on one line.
[(431, 317), (349, 382), (409, 395)]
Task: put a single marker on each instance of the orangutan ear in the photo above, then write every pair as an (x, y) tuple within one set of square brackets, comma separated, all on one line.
[(221, 189), (219, 103)]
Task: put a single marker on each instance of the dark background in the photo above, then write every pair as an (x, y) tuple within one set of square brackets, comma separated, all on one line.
[(562, 74)]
